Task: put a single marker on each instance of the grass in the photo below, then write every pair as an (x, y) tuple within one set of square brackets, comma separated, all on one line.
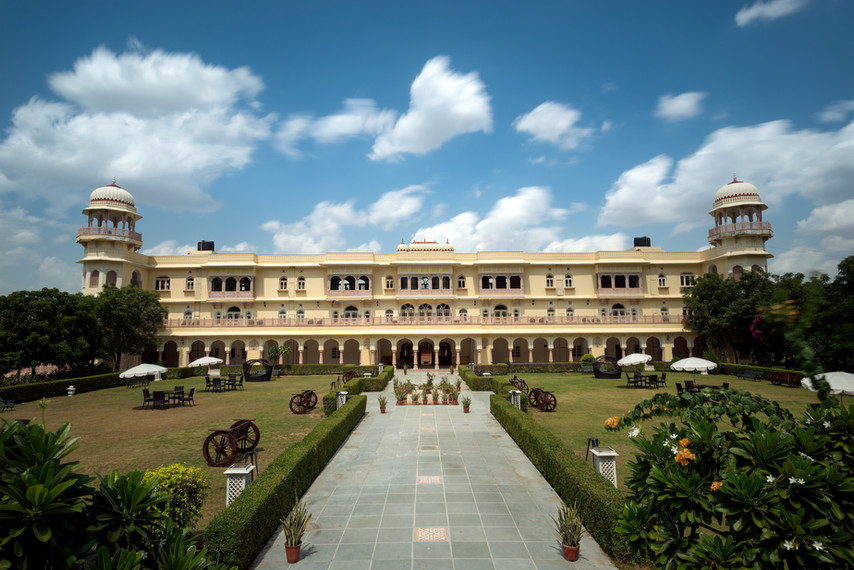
[(585, 402), (117, 433)]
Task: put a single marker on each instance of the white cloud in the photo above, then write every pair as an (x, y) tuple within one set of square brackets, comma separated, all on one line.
[(359, 117), (767, 11), (241, 247), (289, 134), (775, 157), (443, 104), (53, 272), (618, 241), (396, 206), (803, 259), (524, 221), (680, 107), (832, 219), (165, 124), (168, 247), (836, 112), (554, 123)]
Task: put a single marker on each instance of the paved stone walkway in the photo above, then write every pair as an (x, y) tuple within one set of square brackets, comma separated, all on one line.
[(424, 487)]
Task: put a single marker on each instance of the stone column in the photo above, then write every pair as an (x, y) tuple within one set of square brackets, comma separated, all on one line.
[(300, 350), (435, 357), (457, 361), (551, 354)]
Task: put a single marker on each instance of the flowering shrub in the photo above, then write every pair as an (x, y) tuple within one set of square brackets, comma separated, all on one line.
[(186, 488), (736, 481)]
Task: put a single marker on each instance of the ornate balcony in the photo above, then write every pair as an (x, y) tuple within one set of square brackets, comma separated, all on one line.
[(760, 228)]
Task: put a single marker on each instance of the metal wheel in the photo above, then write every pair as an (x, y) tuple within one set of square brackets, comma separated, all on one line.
[(253, 436), (220, 449), (523, 386), (312, 399), (349, 376), (534, 397), (298, 404), (548, 402)]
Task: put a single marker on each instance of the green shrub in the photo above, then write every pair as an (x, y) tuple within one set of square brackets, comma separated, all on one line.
[(38, 390), (587, 360), (186, 488), (241, 531), (573, 479)]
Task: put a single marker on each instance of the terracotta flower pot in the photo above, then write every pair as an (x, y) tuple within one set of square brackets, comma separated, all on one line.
[(292, 552), (382, 409), (465, 410), (570, 552)]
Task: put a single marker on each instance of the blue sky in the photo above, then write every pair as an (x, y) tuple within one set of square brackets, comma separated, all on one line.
[(284, 127)]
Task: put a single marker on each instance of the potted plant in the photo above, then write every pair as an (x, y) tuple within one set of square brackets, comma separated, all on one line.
[(466, 402), (569, 529), (383, 401), (400, 394), (435, 396), (294, 528), (404, 368)]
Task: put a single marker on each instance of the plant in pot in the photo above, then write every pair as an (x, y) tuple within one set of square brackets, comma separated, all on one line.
[(294, 528), (435, 396), (569, 529), (466, 402), (400, 394), (383, 401)]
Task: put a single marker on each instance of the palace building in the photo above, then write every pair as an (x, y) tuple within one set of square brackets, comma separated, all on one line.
[(425, 304)]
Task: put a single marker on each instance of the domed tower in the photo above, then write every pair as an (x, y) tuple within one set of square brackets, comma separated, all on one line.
[(739, 234), (109, 239)]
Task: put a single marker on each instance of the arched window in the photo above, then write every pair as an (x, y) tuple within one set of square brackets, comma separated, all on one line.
[(461, 282), (389, 314), (567, 280), (300, 314), (136, 279), (605, 281), (335, 314), (245, 284), (435, 283), (662, 280), (351, 312), (501, 282), (515, 282), (486, 282), (349, 283), (618, 310), (335, 283), (664, 311), (407, 311), (413, 283), (301, 284), (389, 282), (404, 283), (425, 282), (425, 310), (550, 280), (686, 280), (232, 313), (188, 314), (218, 315), (443, 310), (500, 311), (363, 283), (713, 269), (216, 284), (111, 278), (485, 313), (464, 313), (446, 282), (619, 281), (189, 284), (161, 284), (737, 271), (634, 281), (283, 314), (231, 284), (283, 284), (550, 312), (94, 278), (570, 312)]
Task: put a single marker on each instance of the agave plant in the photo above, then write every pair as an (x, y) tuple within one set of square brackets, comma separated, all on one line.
[(568, 524), (294, 524)]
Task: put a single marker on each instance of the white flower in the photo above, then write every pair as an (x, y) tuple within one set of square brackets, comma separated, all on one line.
[(673, 436), (634, 431), (826, 424), (808, 421), (796, 481), (800, 481), (666, 443), (790, 545), (769, 478), (818, 545), (802, 454), (674, 449)]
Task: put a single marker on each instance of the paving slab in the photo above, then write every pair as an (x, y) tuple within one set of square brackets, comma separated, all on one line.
[(430, 487)]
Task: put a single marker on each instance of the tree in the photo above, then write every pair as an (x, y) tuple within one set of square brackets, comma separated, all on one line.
[(129, 318), (834, 326)]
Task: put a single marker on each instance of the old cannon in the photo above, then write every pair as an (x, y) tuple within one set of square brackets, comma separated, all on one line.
[(349, 375), (303, 402), (519, 384), (539, 398), (222, 445)]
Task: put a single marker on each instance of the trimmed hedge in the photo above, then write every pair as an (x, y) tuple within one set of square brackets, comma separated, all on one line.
[(357, 386), (238, 534), (38, 390), (528, 367), (601, 505), (497, 384)]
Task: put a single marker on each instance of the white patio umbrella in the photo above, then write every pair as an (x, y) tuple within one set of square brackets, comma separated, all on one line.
[(693, 364), (143, 370), (636, 358), (841, 383), (206, 361)]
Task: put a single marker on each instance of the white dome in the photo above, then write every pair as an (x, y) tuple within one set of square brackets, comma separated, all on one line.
[(737, 193), (402, 247), (111, 194)]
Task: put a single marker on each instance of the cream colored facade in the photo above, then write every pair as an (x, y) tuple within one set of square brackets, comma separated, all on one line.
[(425, 304)]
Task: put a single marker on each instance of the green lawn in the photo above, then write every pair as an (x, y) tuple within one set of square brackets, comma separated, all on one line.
[(117, 433), (585, 402)]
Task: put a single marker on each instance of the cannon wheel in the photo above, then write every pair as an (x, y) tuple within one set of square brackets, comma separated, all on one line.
[(220, 449), (548, 402), (253, 436), (534, 397), (299, 404), (312, 399), (349, 376), (523, 386)]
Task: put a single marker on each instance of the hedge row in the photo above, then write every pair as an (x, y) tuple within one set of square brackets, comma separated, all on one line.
[(238, 534), (37, 390), (357, 386), (601, 504), (500, 385), (735, 369)]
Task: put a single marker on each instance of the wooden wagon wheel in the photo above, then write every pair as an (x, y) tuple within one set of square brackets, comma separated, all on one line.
[(349, 376), (548, 402), (534, 397), (252, 436), (299, 404), (220, 449), (523, 386), (312, 398)]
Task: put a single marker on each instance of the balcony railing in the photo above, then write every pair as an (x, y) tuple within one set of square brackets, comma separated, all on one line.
[(422, 321), (349, 293), (231, 294), (501, 292), (740, 227), (105, 231), (620, 292), (425, 293)]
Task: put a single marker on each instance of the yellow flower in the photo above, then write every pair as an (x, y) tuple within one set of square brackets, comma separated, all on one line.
[(685, 442), (716, 485), (684, 456), (612, 422)]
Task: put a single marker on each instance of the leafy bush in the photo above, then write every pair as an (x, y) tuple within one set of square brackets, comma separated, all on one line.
[(238, 533), (185, 488), (38, 390), (574, 480), (587, 360), (771, 491)]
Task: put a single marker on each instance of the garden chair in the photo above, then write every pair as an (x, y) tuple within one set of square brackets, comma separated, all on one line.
[(725, 386), (158, 399), (146, 397), (679, 388), (208, 384), (663, 380), (188, 397), (689, 386), (216, 384), (239, 384)]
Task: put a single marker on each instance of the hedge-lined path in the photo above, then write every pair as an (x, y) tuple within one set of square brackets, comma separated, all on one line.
[(425, 487)]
